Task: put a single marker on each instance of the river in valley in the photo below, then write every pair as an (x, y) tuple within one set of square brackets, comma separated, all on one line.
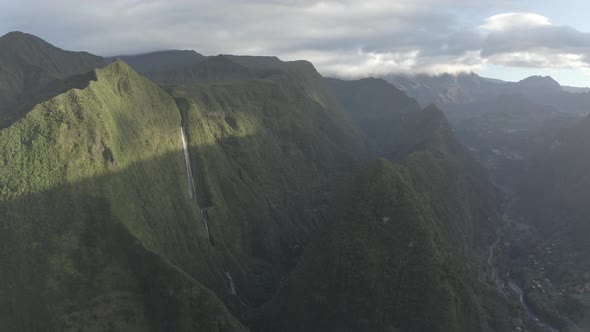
[(514, 288)]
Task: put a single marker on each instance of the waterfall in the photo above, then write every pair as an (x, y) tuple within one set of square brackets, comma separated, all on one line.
[(191, 183), (189, 173), (205, 217), (232, 286)]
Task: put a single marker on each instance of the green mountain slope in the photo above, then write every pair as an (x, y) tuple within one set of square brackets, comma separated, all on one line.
[(567, 163), (464, 201), (96, 215), (552, 250), (559, 187), (265, 155), (376, 107), (160, 61), (106, 162), (218, 68), (31, 70), (402, 249), (554, 190), (377, 268)]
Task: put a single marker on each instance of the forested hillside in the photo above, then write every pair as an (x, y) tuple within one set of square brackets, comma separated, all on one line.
[(214, 193)]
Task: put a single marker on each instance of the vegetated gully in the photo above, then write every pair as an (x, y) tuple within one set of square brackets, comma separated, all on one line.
[(514, 287)]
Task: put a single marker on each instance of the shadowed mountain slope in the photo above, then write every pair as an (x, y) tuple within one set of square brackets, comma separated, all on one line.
[(160, 61), (402, 250)]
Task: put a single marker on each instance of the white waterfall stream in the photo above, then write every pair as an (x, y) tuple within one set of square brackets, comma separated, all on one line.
[(191, 183), (205, 216), (231, 283), (189, 173)]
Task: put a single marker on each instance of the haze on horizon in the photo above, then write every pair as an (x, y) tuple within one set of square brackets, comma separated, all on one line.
[(508, 39)]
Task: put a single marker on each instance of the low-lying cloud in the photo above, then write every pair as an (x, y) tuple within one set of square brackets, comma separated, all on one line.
[(341, 37)]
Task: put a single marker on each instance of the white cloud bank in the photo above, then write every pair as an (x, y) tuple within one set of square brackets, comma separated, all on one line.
[(509, 21), (341, 37)]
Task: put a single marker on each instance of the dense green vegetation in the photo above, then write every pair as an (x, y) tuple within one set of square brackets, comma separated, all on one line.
[(286, 232), (217, 68), (160, 61), (262, 152), (377, 108), (95, 215), (400, 250), (265, 156), (376, 267)]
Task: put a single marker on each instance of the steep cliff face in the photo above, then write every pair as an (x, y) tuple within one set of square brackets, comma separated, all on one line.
[(266, 153), (96, 219), (557, 187)]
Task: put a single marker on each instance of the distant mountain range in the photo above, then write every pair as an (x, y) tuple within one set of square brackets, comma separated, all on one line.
[(531, 137), (450, 89)]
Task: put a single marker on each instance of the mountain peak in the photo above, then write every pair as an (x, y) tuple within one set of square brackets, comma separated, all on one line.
[(19, 38), (15, 34), (19, 47), (540, 82), (117, 68)]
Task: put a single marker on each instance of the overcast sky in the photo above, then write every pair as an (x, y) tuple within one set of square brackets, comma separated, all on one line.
[(507, 39)]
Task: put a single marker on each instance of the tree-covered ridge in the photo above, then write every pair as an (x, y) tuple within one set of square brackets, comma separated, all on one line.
[(96, 216)]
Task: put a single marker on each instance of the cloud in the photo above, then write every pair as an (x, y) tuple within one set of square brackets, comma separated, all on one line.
[(510, 21), (540, 59), (531, 41), (341, 37)]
